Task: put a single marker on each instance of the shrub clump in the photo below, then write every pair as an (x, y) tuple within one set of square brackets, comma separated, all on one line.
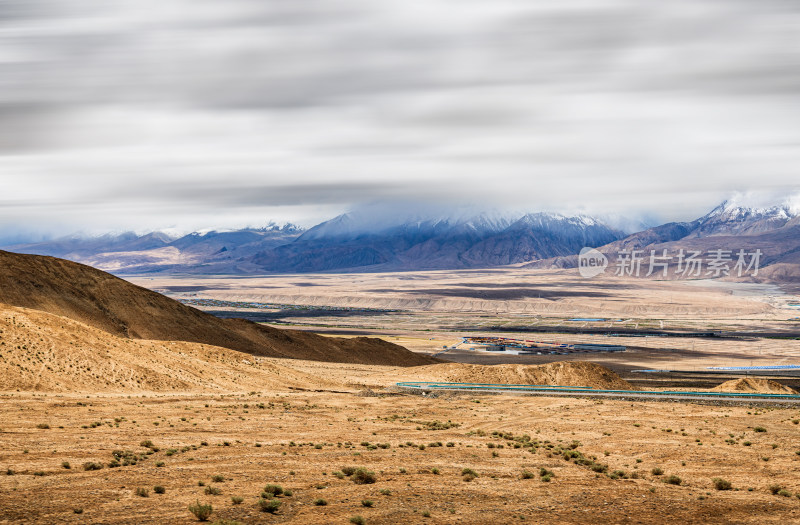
[(672, 479), (362, 476), (201, 512), (270, 506), (271, 491), (721, 484)]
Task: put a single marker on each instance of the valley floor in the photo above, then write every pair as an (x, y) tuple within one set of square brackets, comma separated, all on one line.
[(301, 440)]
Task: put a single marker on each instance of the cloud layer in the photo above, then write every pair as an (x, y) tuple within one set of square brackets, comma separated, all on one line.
[(197, 113)]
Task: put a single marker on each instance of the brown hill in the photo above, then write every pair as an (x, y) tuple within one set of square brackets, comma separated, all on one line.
[(565, 373), (45, 352), (749, 384), (100, 300)]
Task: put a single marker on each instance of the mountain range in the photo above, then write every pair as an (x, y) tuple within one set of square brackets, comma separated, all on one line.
[(375, 240), (359, 240), (774, 231)]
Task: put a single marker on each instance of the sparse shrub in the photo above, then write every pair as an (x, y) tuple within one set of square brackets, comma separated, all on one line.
[(39, 473), (362, 476), (721, 484), (273, 490), (66, 465), (774, 489), (213, 491), (527, 474), (43, 426), (158, 489), (385, 492), (657, 471), (78, 510), (672, 479), (91, 465), (785, 493), (357, 520), (201, 512), (142, 492), (339, 474), (270, 506), (426, 514), (348, 471), (237, 500), (435, 470), (159, 463), (218, 479), (367, 503), (288, 493), (319, 502), (759, 429)]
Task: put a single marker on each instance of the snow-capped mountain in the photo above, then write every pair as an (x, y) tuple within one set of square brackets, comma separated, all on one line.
[(461, 240), (773, 229), (371, 238), (395, 237), (730, 217)]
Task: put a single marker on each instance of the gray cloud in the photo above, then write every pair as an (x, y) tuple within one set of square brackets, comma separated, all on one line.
[(271, 107)]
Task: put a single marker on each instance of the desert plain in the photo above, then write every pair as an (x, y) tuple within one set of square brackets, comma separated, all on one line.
[(101, 428)]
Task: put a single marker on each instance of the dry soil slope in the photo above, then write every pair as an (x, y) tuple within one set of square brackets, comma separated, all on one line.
[(106, 302), (45, 352), (753, 385), (565, 373)]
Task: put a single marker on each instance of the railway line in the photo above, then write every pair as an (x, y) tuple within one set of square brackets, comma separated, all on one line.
[(585, 391)]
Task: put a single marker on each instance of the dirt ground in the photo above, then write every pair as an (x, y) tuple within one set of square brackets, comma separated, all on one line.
[(300, 440), (208, 424)]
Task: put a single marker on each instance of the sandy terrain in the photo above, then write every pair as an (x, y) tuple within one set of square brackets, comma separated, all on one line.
[(436, 309), (499, 291), (270, 440), (92, 420)]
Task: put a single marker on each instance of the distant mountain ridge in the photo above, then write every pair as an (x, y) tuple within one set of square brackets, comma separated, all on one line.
[(395, 239), (731, 226), (365, 240)]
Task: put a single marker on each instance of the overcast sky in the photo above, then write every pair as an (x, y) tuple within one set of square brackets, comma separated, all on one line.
[(143, 114)]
